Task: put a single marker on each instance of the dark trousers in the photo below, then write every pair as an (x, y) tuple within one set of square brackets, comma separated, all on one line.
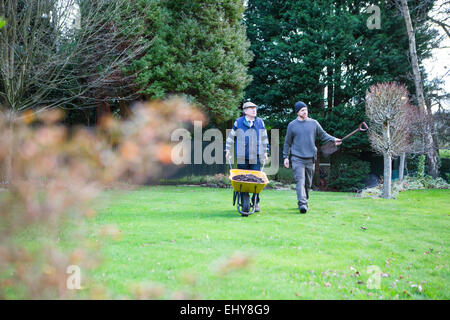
[(303, 175), (250, 166)]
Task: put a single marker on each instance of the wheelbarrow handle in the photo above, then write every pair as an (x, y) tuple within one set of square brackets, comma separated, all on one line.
[(229, 162)]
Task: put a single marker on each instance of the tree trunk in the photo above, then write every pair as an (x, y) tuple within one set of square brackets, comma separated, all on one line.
[(9, 172), (103, 109), (431, 149), (387, 176), (401, 168), (125, 111), (428, 125), (433, 162)]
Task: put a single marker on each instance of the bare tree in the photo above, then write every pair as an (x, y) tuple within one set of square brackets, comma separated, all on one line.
[(388, 109), (55, 52), (428, 127)]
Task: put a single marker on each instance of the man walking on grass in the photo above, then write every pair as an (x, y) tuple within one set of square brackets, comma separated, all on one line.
[(252, 145), (300, 137)]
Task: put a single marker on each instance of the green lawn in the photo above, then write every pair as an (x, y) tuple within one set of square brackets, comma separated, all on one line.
[(179, 237)]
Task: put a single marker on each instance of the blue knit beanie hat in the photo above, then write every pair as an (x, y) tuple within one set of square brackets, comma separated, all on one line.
[(298, 105)]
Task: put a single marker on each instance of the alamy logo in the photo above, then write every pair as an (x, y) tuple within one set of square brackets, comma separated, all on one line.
[(374, 280), (213, 153), (374, 21), (74, 280)]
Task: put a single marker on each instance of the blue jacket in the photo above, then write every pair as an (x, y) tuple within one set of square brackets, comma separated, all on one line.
[(251, 139)]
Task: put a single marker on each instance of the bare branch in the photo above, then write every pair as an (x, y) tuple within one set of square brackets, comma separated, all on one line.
[(54, 52)]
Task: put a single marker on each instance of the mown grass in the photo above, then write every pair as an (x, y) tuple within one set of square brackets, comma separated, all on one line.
[(171, 234)]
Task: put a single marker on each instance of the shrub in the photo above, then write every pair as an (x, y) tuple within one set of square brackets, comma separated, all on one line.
[(412, 164), (284, 175), (409, 183), (444, 153), (273, 184), (218, 181), (375, 192), (421, 167), (215, 181), (429, 183), (53, 177), (445, 169), (192, 179), (347, 173)]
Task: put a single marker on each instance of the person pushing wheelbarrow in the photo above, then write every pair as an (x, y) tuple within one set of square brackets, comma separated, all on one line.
[(252, 143)]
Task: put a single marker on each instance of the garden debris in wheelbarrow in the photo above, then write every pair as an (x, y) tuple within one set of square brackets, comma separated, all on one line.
[(248, 178)]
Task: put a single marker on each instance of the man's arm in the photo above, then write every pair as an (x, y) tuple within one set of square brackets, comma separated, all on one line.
[(322, 135), (287, 142)]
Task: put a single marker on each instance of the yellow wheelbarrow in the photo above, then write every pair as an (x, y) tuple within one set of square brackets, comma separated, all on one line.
[(242, 190)]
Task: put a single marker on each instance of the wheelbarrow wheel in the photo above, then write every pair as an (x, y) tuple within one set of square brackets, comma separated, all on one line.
[(245, 202)]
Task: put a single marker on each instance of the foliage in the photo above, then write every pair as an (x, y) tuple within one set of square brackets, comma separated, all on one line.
[(391, 118), (285, 176), (347, 172), (53, 179), (65, 54), (416, 162), (408, 183), (421, 167), (427, 126), (442, 123), (445, 168), (444, 153), (322, 52), (214, 181), (197, 49), (223, 181), (429, 183)]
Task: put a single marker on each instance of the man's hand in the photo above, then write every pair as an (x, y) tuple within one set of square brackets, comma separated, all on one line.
[(227, 154), (266, 156), (338, 142), (286, 162)]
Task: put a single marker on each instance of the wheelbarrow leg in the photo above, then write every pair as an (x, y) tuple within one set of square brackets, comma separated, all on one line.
[(245, 204)]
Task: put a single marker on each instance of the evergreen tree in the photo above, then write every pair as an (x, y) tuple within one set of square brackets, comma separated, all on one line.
[(198, 50), (323, 53)]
